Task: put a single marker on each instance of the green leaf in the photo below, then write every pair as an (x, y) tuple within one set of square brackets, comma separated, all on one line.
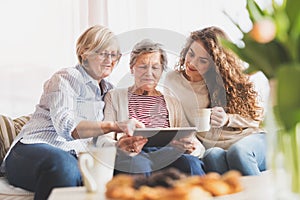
[(292, 11), (282, 25), (251, 70), (288, 96), (294, 39), (254, 10), (277, 53), (257, 59), (254, 55), (298, 50)]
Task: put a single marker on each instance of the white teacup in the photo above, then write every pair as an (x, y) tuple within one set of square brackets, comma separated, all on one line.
[(97, 167), (202, 119)]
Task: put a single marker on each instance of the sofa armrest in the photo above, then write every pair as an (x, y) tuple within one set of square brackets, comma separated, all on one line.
[(9, 129)]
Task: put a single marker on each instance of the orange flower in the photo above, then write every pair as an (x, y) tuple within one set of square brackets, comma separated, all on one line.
[(263, 31)]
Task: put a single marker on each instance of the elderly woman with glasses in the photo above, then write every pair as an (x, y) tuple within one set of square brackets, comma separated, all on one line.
[(142, 101), (44, 155)]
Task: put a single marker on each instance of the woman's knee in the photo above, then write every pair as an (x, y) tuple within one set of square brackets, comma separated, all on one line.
[(236, 153), (189, 164), (251, 143), (215, 160), (239, 151), (63, 167), (214, 153), (139, 164), (242, 155)]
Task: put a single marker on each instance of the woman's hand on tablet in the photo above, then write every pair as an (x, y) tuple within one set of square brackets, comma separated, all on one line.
[(132, 144)]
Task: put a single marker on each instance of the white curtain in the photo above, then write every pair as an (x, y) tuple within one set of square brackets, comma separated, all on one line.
[(92, 12)]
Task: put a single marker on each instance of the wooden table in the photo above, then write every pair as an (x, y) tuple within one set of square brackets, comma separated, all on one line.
[(255, 188)]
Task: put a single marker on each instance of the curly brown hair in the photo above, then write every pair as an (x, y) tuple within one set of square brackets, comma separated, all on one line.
[(227, 84)]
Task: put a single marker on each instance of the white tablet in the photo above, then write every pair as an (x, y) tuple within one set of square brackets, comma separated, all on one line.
[(160, 137)]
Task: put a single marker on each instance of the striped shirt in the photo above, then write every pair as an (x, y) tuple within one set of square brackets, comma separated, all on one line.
[(151, 110), (70, 96)]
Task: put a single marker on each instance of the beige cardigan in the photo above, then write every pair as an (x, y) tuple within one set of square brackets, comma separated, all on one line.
[(116, 109), (193, 95)]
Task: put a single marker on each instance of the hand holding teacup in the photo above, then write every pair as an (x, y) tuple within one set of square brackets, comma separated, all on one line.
[(187, 144), (219, 117)]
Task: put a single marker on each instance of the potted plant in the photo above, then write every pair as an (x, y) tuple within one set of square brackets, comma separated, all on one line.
[(273, 47)]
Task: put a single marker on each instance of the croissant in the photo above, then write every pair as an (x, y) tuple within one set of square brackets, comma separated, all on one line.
[(172, 184)]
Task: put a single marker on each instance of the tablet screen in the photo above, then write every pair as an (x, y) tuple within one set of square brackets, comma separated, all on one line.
[(160, 137)]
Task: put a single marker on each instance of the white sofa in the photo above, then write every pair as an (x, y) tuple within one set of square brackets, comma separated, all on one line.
[(9, 129)]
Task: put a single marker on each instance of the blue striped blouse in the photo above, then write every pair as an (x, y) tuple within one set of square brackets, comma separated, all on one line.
[(69, 96)]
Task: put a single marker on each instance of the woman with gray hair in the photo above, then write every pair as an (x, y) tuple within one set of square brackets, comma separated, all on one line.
[(44, 155), (142, 101)]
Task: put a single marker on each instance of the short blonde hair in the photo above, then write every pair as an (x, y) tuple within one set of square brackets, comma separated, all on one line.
[(95, 38)]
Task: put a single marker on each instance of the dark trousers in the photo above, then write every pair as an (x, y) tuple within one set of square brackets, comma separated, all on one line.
[(40, 168), (153, 159)]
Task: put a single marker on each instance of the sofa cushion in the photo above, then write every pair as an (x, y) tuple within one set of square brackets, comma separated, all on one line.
[(8, 191), (7, 134), (20, 122), (9, 129)]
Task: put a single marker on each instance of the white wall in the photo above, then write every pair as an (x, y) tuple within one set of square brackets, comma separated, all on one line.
[(38, 37), (35, 40), (177, 16)]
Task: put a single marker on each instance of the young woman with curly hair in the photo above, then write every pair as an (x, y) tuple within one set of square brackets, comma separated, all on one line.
[(210, 76)]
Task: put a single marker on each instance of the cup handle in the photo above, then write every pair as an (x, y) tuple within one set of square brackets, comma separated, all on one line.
[(86, 161)]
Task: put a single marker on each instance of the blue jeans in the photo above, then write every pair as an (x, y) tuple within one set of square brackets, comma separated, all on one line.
[(40, 168), (153, 159), (247, 155)]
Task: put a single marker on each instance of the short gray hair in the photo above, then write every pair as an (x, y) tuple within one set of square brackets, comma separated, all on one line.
[(148, 46)]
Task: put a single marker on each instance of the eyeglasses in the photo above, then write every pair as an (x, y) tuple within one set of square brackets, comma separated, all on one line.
[(113, 56)]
